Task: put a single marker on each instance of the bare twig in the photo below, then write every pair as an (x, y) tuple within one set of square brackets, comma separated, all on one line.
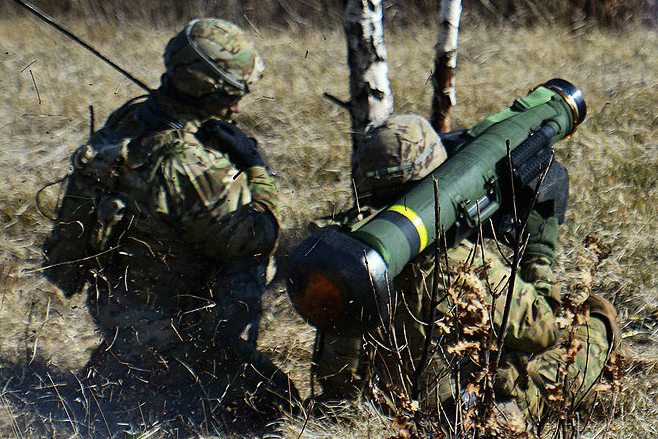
[(519, 245), (345, 105), (435, 291)]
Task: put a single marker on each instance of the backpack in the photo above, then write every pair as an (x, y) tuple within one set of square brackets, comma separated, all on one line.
[(90, 215)]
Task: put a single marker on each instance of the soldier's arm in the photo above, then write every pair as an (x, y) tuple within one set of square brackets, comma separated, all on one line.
[(252, 230), (532, 325), (216, 211), (532, 319), (264, 193), (538, 257)]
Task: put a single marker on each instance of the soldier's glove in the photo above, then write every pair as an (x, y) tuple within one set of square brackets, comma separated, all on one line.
[(542, 238), (242, 150)]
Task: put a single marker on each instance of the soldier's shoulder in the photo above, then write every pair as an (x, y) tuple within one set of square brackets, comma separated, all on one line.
[(125, 118), (185, 146), (186, 160)]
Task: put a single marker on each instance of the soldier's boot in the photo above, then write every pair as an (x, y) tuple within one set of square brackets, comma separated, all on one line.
[(336, 366)]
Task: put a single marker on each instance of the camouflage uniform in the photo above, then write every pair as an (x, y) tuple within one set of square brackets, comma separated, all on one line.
[(533, 353), (189, 224), (200, 232)]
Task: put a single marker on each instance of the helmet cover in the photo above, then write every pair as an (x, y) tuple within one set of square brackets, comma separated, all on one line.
[(210, 56), (403, 149)]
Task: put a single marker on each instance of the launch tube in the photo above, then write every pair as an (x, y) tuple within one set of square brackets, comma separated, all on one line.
[(342, 281)]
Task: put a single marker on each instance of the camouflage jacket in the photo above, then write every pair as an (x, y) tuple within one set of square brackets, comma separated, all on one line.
[(191, 212)]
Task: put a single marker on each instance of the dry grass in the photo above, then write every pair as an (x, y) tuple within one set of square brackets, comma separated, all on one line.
[(49, 82), (305, 14)]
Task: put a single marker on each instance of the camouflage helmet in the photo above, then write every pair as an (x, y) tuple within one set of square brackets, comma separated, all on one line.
[(212, 56), (403, 149)]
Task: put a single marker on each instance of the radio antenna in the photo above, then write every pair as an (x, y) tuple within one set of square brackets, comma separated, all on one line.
[(41, 15)]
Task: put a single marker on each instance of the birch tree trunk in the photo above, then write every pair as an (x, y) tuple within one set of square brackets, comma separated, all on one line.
[(445, 63), (371, 99)]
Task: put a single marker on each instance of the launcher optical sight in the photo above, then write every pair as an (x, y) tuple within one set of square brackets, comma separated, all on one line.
[(341, 281)]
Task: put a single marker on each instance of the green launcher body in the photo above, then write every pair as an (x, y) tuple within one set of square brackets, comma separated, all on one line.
[(341, 281)]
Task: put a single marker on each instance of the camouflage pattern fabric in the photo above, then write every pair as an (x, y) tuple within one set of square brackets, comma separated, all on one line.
[(405, 148), (536, 382), (177, 290), (197, 232), (211, 55), (177, 263), (534, 345), (192, 219)]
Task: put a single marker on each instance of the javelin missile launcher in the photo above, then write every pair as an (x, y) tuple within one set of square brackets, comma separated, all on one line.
[(341, 280)]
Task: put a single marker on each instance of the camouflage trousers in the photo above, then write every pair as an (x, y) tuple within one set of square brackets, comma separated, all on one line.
[(202, 358), (135, 319), (564, 374)]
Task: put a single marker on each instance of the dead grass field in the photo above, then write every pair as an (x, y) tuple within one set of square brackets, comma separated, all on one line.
[(48, 83)]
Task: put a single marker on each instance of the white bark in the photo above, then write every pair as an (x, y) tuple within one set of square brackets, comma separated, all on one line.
[(371, 99), (445, 63)]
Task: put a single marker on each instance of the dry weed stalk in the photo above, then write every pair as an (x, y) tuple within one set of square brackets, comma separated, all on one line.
[(467, 339), (565, 395)]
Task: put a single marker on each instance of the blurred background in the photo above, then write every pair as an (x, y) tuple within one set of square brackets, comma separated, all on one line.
[(311, 13)]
